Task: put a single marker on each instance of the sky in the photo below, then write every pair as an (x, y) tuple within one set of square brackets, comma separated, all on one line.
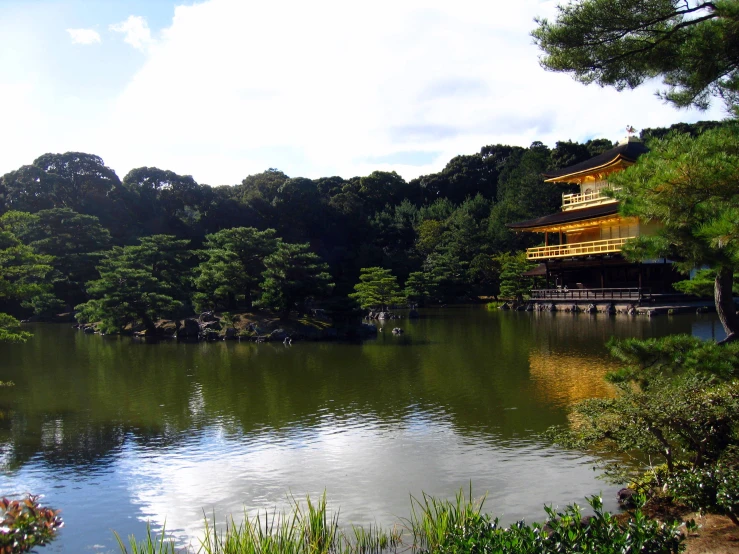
[(221, 89)]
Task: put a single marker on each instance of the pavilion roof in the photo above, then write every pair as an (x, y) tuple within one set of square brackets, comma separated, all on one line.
[(569, 216), (628, 151)]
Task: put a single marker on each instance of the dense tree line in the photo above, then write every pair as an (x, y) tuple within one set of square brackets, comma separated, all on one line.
[(219, 247)]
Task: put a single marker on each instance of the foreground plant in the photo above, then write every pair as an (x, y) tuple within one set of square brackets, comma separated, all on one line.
[(436, 526), (458, 527), (26, 525)]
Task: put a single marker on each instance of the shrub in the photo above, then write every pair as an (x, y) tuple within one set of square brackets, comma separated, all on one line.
[(712, 489), (26, 525)]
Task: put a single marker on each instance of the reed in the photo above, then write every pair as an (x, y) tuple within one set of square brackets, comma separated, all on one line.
[(436, 526)]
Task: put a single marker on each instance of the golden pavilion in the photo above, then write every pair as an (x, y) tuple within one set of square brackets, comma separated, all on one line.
[(581, 256)]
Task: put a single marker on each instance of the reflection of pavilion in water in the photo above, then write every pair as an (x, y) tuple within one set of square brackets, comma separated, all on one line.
[(562, 379)]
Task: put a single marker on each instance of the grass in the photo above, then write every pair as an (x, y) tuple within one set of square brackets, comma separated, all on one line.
[(305, 529), (435, 526)]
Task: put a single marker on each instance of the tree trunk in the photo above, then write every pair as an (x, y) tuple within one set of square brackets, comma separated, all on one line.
[(725, 303)]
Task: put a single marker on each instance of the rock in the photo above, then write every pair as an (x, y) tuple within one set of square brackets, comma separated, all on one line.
[(625, 497), (552, 307), (166, 328), (591, 309), (205, 317), (278, 334), (188, 329), (575, 308), (504, 306), (413, 314), (631, 310), (367, 330), (211, 326), (89, 330), (529, 307), (231, 333), (398, 331), (610, 309), (371, 315), (383, 315)]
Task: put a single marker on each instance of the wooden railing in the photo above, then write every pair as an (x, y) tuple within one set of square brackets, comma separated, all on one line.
[(582, 199), (576, 249), (590, 294)]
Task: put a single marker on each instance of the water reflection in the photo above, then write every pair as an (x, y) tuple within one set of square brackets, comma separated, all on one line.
[(116, 433)]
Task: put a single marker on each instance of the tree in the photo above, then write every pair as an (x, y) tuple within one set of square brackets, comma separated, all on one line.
[(22, 276), (165, 201), (377, 289), (293, 275), (419, 287), (622, 43), (75, 240), (677, 403), (137, 285), (690, 185), (703, 284), (232, 266), (512, 283)]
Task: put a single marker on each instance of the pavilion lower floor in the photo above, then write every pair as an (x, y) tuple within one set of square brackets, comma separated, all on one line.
[(604, 278)]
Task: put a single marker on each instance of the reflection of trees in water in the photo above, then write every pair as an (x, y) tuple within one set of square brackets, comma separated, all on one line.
[(79, 399)]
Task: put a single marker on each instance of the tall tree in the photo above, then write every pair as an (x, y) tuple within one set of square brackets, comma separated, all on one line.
[(232, 267), (22, 276), (377, 288), (693, 45), (137, 285), (75, 240), (691, 186), (292, 277)]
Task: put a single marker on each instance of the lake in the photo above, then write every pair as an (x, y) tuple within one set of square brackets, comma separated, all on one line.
[(116, 432)]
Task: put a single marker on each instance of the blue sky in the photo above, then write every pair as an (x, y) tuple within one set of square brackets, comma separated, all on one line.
[(220, 89)]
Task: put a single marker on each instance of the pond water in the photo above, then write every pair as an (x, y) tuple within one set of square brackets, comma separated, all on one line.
[(116, 432)]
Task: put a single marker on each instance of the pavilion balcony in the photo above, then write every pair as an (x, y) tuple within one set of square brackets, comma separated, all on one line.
[(586, 199), (607, 246)]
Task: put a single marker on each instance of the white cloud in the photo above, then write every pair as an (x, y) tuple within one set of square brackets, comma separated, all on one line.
[(136, 30), (324, 88), (84, 36)]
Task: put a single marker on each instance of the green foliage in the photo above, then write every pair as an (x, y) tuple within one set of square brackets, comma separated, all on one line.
[(703, 283), (378, 289), (75, 240), (26, 524), (689, 185), (10, 329), (690, 419), (137, 285), (712, 489), (622, 43), (44, 304), (293, 275), (419, 288), (232, 267), (22, 276), (437, 526), (512, 283), (443, 527), (647, 359)]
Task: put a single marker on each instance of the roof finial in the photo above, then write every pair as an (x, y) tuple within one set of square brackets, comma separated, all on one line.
[(630, 131)]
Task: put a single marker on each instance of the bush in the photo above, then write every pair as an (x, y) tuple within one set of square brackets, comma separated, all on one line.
[(26, 525), (458, 528), (713, 489)]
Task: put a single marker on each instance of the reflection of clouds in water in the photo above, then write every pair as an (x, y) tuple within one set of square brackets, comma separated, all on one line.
[(368, 469), (562, 379)]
